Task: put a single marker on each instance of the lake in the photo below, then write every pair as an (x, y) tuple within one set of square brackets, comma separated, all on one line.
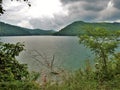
[(67, 51)]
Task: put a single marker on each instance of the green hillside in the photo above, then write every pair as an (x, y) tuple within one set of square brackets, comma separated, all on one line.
[(77, 28), (11, 30)]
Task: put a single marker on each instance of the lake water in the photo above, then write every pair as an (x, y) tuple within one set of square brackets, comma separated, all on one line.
[(68, 53)]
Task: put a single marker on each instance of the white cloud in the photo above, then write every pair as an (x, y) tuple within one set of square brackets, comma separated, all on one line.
[(39, 8), (110, 4), (7, 4), (118, 20), (25, 24), (46, 8)]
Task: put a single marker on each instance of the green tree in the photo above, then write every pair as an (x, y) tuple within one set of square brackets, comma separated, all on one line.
[(103, 43), (10, 68)]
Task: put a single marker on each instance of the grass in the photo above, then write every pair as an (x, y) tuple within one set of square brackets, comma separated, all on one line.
[(82, 79), (19, 85)]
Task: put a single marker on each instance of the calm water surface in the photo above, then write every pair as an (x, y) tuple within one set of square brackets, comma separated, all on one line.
[(66, 49)]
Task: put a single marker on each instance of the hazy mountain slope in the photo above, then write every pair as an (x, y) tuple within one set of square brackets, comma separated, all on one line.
[(11, 30)]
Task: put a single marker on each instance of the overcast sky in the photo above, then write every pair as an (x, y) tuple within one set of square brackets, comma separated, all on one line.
[(56, 14)]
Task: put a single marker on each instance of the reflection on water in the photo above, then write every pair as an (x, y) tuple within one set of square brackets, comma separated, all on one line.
[(66, 49)]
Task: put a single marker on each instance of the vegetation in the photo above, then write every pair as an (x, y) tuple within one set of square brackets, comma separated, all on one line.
[(86, 80), (105, 75), (77, 28), (103, 43), (13, 75)]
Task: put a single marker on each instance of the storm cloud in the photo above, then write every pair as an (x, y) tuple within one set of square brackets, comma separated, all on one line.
[(65, 12)]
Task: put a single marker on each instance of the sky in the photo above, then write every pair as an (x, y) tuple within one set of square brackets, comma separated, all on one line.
[(56, 14)]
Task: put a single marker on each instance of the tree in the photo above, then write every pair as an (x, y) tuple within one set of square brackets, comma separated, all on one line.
[(103, 43), (10, 68), (2, 9)]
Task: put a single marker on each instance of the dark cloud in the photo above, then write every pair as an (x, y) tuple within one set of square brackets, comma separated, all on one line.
[(93, 5), (72, 1), (69, 1), (88, 1), (116, 4), (85, 9)]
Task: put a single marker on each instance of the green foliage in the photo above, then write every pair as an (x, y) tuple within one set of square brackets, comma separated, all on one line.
[(10, 68), (99, 40), (13, 75), (85, 79), (11, 49), (19, 85), (114, 65), (103, 43)]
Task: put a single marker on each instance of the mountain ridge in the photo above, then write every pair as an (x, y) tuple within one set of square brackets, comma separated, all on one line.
[(12, 30), (77, 27), (73, 29)]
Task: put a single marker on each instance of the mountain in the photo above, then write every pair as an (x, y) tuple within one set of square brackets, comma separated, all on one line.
[(41, 32), (11, 30), (78, 27), (75, 28)]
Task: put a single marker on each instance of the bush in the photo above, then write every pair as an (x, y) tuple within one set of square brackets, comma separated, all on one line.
[(13, 75), (10, 68), (18, 85)]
